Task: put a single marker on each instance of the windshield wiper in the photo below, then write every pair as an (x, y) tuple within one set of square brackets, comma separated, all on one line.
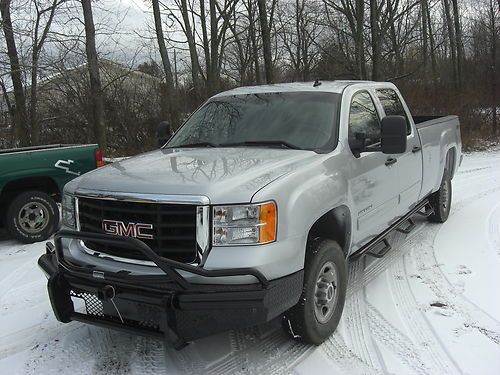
[(197, 144), (282, 144)]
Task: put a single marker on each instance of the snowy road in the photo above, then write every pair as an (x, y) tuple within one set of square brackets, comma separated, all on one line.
[(430, 306)]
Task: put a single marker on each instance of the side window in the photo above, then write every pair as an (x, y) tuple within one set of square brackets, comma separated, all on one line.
[(363, 121), (392, 105)]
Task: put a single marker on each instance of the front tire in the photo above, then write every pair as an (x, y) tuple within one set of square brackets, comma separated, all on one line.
[(440, 201), (318, 312), (32, 216)]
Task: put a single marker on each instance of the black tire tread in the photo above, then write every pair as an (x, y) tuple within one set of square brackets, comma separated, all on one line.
[(300, 318), (436, 200), (18, 202)]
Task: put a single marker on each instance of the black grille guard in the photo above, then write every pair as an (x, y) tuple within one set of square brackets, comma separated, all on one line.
[(168, 266)]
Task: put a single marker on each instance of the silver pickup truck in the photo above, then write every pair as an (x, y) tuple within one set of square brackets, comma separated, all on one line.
[(250, 211)]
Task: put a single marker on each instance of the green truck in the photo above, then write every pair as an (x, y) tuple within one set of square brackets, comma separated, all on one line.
[(31, 183)]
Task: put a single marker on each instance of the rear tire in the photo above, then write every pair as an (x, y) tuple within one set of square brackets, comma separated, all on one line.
[(317, 314), (440, 201), (32, 216)]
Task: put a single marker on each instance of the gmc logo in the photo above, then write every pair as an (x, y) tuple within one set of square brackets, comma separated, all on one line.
[(119, 228)]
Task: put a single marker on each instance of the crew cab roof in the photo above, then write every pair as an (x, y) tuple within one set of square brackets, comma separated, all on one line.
[(326, 86)]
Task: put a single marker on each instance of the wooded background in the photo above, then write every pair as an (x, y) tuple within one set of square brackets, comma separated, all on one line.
[(442, 54)]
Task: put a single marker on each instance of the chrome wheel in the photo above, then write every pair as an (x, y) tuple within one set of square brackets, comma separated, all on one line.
[(325, 293), (33, 217)]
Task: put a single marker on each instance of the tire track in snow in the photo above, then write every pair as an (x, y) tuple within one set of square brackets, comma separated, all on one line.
[(388, 335), (271, 352), (96, 351), (471, 170), (494, 230), (336, 349), (357, 329), (420, 331), (422, 253), (446, 292), (10, 281), (149, 357)]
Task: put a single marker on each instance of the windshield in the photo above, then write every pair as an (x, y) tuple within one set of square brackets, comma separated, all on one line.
[(302, 120)]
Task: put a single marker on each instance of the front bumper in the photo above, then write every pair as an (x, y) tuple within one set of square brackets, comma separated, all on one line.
[(163, 306)]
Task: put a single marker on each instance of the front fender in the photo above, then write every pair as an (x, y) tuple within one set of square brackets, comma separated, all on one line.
[(304, 196)]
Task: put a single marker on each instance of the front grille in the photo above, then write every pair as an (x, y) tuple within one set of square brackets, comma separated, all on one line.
[(174, 226)]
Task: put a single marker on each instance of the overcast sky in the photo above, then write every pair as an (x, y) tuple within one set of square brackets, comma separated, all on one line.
[(133, 20)]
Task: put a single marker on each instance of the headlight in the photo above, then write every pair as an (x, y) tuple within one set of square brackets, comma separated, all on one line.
[(68, 211), (246, 224)]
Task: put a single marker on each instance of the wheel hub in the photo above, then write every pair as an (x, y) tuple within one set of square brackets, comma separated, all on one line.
[(33, 217), (325, 296)]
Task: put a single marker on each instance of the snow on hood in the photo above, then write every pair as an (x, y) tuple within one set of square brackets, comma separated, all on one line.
[(224, 175)]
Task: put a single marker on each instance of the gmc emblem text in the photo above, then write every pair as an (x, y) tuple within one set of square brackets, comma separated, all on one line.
[(119, 228)]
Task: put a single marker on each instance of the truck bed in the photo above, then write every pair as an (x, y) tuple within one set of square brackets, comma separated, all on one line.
[(437, 134), (424, 121), (35, 148)]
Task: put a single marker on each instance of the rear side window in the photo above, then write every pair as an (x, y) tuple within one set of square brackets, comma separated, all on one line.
[(392, 105), (363, 120)]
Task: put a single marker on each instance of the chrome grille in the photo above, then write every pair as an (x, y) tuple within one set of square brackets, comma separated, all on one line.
[(174, 226)]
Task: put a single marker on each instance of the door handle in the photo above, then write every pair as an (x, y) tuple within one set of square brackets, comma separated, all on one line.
[(415, 149), (391, 161)]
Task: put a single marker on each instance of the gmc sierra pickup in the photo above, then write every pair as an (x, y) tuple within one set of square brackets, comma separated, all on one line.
[(250, 211)]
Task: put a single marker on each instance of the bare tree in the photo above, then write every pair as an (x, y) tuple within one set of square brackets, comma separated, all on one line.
[(453, 41), (167, 67), (96, 95), (354, 13), (266, 40), (21, 133), (193, 53), (39, 37)]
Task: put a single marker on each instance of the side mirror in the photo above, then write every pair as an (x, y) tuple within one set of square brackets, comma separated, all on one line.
[(393, 135)]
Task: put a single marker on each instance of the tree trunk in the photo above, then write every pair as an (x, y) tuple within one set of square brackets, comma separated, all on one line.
[(21, 131), (432, 46), (206, 46), (34, 123), (376, 48), (167, 67), (253, 39), (359, 40), (266, 40), (458, 42), (96, 94), (193, 53), (425, 42), (35, 55), (494, 96), (451, 36), (212, 75), (398, 59)]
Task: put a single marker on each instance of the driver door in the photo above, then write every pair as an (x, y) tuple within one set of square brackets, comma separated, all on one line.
[(373, 181)]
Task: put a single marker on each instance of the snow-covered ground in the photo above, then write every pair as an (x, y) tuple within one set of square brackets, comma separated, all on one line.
[(430, 306)]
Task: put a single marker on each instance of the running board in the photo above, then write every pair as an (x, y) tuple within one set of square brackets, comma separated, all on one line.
[(409, 228), (369, 248), (428, 212), (379, 253)]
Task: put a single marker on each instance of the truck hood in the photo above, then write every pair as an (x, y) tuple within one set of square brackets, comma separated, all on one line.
[(224, 175)]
